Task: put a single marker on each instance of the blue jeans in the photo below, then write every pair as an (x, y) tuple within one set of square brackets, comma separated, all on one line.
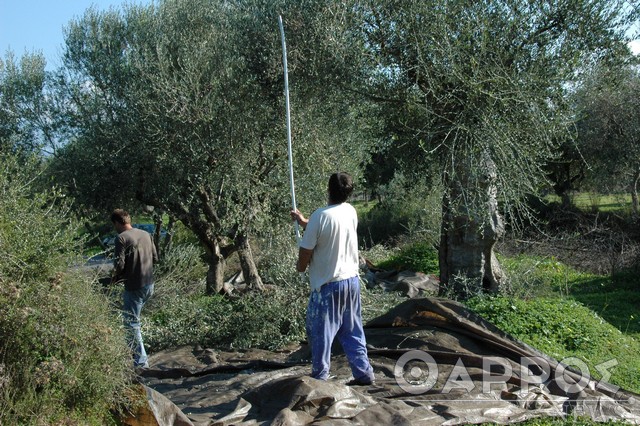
[(335, 311), (132, 303)]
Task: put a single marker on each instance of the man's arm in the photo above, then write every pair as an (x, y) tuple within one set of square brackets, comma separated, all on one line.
[(118, 260), (154, 252), (297, 216), (304, 257)]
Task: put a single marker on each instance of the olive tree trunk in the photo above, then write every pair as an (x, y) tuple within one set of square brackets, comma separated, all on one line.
[(247, 263), (468, 264), (634, 193), (215, 275)]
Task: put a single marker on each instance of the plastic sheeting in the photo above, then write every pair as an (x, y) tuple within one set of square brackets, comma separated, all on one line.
[(435, 363)]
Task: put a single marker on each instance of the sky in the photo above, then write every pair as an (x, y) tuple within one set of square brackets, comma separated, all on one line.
[(37, 25)]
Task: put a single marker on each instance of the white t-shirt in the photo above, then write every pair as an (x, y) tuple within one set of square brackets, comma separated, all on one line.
[(332, 235)]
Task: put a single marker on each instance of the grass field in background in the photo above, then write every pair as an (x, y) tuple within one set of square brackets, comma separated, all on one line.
[(590, 201)]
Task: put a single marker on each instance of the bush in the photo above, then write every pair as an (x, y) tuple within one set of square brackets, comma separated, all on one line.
[(184, 321), (407, 209), (419, 256), (267, 320), (62, 353), (181, 272), (180, 313), (36, 239), (277, 253)]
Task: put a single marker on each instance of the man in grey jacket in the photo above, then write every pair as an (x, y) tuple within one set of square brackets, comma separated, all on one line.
[(135, 254)]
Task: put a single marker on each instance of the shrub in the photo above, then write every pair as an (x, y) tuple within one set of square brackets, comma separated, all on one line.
[(184, 321), (180, 273), (36, 239), (180, 314), (407, 209), (277, 253), (62, 352), (419, 256), (267, 320)]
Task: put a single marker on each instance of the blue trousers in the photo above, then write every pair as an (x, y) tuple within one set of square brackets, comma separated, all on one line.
[(132, 303), (335, 311)]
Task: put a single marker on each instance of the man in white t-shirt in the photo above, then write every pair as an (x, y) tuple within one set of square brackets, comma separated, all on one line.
[(329, 248)]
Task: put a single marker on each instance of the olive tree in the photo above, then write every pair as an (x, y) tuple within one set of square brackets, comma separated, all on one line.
[(182, 108), (26, 110), (482, 89), (608, 107)]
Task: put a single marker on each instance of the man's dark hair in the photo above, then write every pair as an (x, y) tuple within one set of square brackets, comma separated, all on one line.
[(120, 216), (340, 187)]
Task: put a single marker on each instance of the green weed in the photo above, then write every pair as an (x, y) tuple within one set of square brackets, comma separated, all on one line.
[(267, 320), (562, 327), (420, 256), (533, 276)]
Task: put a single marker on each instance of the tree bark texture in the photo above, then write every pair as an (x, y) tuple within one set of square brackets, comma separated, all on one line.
[(634, 193), (215, 274), (247, 263), (468, 264)]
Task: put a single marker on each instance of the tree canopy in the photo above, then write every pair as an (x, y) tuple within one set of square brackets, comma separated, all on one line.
[(480, 89), (608, 109), (24, 119), (181, 106)]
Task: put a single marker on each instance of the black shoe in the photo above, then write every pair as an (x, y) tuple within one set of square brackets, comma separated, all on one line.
[(365, 381), (141, 370)]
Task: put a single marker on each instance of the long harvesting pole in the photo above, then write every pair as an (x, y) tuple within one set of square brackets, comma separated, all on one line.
[(286, 95)]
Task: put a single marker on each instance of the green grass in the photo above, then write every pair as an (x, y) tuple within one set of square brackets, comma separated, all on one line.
[(563, 327), (616, 299), (533, 276), (364, 207), (589, 201), (568, 313), (564, 312)]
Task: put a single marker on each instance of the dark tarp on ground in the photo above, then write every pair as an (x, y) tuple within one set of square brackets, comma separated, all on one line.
[(262, 387)]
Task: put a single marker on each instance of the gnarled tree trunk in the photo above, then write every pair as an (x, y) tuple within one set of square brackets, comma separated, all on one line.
[(468, 264), (215, 275), (247, 263), (634, 193)]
